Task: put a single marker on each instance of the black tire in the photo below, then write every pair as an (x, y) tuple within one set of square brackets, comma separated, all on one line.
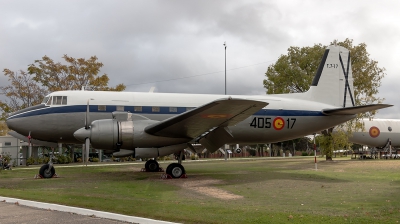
[(46, 172), (175, 170), (152, 166)]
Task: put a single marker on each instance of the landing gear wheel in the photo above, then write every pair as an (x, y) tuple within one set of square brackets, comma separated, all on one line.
[(175, 170), (152, 166), (47, 172)]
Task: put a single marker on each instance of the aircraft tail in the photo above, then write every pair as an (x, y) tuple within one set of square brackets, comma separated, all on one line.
[(333, 82)]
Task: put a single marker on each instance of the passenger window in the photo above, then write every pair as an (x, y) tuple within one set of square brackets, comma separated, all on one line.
[(102, 108), (173, 109), (155, 109), (120, 108), (64, 100), (138, 109)]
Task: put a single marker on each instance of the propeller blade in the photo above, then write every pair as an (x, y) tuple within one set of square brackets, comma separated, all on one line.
[(87, 145), (29, 137), (87, 122)]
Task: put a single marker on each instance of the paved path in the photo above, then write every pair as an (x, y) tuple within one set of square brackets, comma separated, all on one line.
[(14, 210), (11, 213)]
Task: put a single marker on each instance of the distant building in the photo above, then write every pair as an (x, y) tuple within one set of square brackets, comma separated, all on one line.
[(12, 146)]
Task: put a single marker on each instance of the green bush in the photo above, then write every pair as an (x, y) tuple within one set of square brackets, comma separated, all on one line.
[(40, 160), (194, 157), (163, 158), (30, 161), (6, 156), (304, 154), (62, 159), (95, 160)]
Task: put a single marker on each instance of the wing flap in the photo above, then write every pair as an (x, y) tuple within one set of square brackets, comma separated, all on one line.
[(193, 123), (354, 110)]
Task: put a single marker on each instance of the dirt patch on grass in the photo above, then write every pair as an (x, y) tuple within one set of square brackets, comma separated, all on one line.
[(205, 187)]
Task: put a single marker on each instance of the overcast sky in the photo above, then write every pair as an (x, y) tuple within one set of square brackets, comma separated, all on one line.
[(153, 41)]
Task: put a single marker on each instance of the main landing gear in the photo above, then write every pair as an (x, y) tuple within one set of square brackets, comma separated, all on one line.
[(152, 166), (174, 170)]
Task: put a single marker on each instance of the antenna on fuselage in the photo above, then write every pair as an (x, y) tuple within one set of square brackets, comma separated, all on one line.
[(152, 89)]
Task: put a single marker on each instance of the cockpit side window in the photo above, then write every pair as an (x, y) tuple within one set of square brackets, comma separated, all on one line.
[(57, 100), (64, 100)]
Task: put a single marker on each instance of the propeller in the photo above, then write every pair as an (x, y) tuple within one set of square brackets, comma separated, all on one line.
[(84, 134), (87, 140), (29, 138), (87, 145), (87, 116)]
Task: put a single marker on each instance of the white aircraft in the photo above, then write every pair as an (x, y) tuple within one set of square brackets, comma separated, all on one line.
[(148, 125), (378, 132)]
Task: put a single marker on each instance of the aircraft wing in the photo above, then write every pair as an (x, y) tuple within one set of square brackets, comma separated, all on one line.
[(354, 110), (193, 123)]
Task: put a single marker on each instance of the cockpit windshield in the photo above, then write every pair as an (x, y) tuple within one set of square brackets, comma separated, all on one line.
[(45, 99)]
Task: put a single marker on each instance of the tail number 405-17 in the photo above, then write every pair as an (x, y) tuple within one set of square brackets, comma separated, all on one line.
[(277, 123)]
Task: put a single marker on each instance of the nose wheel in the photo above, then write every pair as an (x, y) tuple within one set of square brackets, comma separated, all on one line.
[(47, 171)]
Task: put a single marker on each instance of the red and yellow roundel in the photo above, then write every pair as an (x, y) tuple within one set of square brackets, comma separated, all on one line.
[(278, 123), (213, 116), (374, 132)]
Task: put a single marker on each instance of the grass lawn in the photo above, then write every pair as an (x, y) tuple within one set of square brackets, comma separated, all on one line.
[(280, 190)]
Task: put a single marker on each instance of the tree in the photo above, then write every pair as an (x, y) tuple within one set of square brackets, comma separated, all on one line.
[(74, 75), (293, 73), (28, 88), (22, 92)]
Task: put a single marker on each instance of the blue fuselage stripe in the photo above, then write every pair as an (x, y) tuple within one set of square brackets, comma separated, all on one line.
[(149, 110)]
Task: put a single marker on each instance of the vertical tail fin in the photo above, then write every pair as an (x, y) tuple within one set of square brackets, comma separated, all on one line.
[(333, 82)]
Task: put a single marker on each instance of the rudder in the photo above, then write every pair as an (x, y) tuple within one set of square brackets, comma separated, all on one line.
[(333, 82)]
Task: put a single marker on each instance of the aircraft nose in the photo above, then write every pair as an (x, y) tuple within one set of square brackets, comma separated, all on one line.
[(16, 124), (81, 134), (9, 124)]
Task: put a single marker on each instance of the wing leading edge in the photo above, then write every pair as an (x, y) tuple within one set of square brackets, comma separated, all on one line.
[(193, 123)]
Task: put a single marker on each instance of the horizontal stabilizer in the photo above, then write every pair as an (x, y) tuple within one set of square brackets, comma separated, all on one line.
[(354, 110), (33, 141), (193, 123)]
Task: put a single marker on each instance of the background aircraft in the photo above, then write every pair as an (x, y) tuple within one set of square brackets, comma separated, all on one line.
[(148, 125), (377, 133)]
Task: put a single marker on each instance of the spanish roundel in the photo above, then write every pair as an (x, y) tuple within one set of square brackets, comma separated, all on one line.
[(374, 132), (278, 123)]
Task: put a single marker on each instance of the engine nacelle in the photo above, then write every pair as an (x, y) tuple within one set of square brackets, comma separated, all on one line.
[(113, 134)]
